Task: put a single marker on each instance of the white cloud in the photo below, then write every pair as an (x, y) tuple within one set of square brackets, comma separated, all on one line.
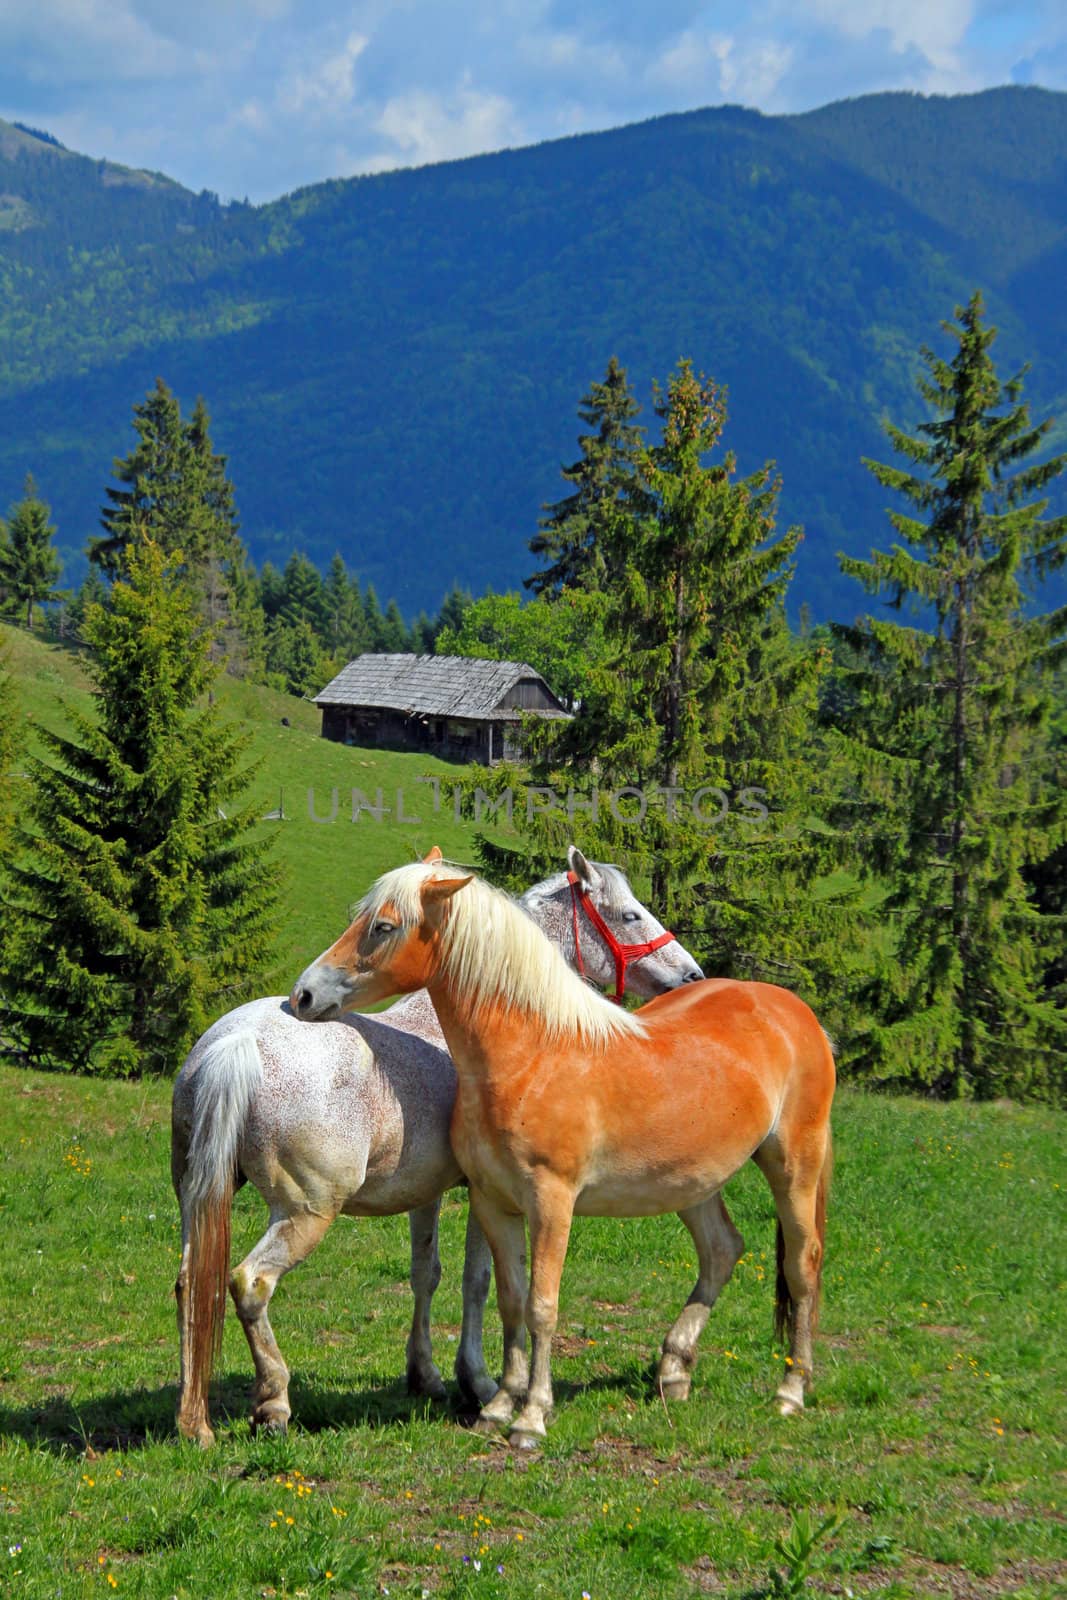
[(706, 65), (329, 86), (426, 127), (934, 27)]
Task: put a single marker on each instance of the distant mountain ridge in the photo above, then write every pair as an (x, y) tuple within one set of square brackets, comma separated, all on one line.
[(393, 363)]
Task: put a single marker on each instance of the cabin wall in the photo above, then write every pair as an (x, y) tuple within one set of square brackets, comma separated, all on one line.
[(451, 738)]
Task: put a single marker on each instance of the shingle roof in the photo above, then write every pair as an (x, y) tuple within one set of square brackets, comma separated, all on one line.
[(442, 686)]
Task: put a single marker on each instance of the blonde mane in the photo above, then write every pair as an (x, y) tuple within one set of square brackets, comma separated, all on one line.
[(492, 949)]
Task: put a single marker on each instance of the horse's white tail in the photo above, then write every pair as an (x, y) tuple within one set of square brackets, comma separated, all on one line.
[(227, 1080), (229, 1074)]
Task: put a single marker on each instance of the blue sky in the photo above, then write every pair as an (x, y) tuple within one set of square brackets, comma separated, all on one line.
[(255, 97)]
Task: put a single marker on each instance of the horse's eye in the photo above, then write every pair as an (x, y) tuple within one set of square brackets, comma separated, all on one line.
[(631, 916), (382, 926)]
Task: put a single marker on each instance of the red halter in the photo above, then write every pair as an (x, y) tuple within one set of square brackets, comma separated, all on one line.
[(622, 954)]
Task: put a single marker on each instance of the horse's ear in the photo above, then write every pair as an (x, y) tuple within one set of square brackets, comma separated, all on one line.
[(432, 855), (437, 890), (582, 868)]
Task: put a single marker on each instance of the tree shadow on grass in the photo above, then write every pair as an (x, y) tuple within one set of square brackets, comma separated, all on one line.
[(130, 1419)]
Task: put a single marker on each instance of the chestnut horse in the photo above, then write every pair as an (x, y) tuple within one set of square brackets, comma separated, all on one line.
[(353, 1116), (567, 1104)]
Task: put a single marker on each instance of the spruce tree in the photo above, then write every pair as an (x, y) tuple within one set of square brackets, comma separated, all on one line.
[(29, 565), (222, 572), (700, 696), (295, 660), (580, 535), (142, 897), (395, 635), (376, 628), (455, 603), (343, 627), (9, 741), (949, 709), (271, 591), (423, 635), (304, 594), (161, 490), (175, 488)]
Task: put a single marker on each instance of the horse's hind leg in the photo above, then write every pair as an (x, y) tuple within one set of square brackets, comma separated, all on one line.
[(423, 1376), (719, 1247), (798, 1182), (287, 1242), (474, 1381)]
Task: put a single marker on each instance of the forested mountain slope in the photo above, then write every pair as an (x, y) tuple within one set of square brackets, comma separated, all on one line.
[(393, 363)]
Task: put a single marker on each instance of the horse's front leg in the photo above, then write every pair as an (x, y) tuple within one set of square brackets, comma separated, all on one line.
[(506, 1233), (423, 1376), (550, 1229), (474, 1381)]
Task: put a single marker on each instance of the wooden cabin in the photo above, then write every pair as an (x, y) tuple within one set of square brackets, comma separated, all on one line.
[(449, 706)]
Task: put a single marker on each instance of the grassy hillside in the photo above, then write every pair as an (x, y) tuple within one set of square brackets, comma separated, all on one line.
[(394, 363), (324, 866), (936, 1425)]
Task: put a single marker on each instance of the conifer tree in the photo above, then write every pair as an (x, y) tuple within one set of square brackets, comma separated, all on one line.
[(9, 732), (395, 636), (455, 603), (161, 489), (372, 612), (175, 488), (950, 709), (423, 635), (295, 660), (344, 627), (580, 535), (29, 565), (142, 897), (213, 486), (223, 573), (271, 590), (701, 697), (303, 593)]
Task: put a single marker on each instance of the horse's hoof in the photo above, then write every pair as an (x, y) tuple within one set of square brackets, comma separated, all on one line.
[(201, 1434), (788, 1407), (676, 1388), (427, 1388), (477, 1392), (272, 1423), (523, 1439), (488, 1427)]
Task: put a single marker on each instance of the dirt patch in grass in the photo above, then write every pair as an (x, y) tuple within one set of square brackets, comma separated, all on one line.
[(704, 1577), (959, 1585), (569, 1344)]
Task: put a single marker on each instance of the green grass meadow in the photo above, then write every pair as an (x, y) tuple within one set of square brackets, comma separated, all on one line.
[(936, 1428)]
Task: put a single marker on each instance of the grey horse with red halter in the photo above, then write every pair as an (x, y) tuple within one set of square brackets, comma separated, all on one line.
[(622, 954)]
